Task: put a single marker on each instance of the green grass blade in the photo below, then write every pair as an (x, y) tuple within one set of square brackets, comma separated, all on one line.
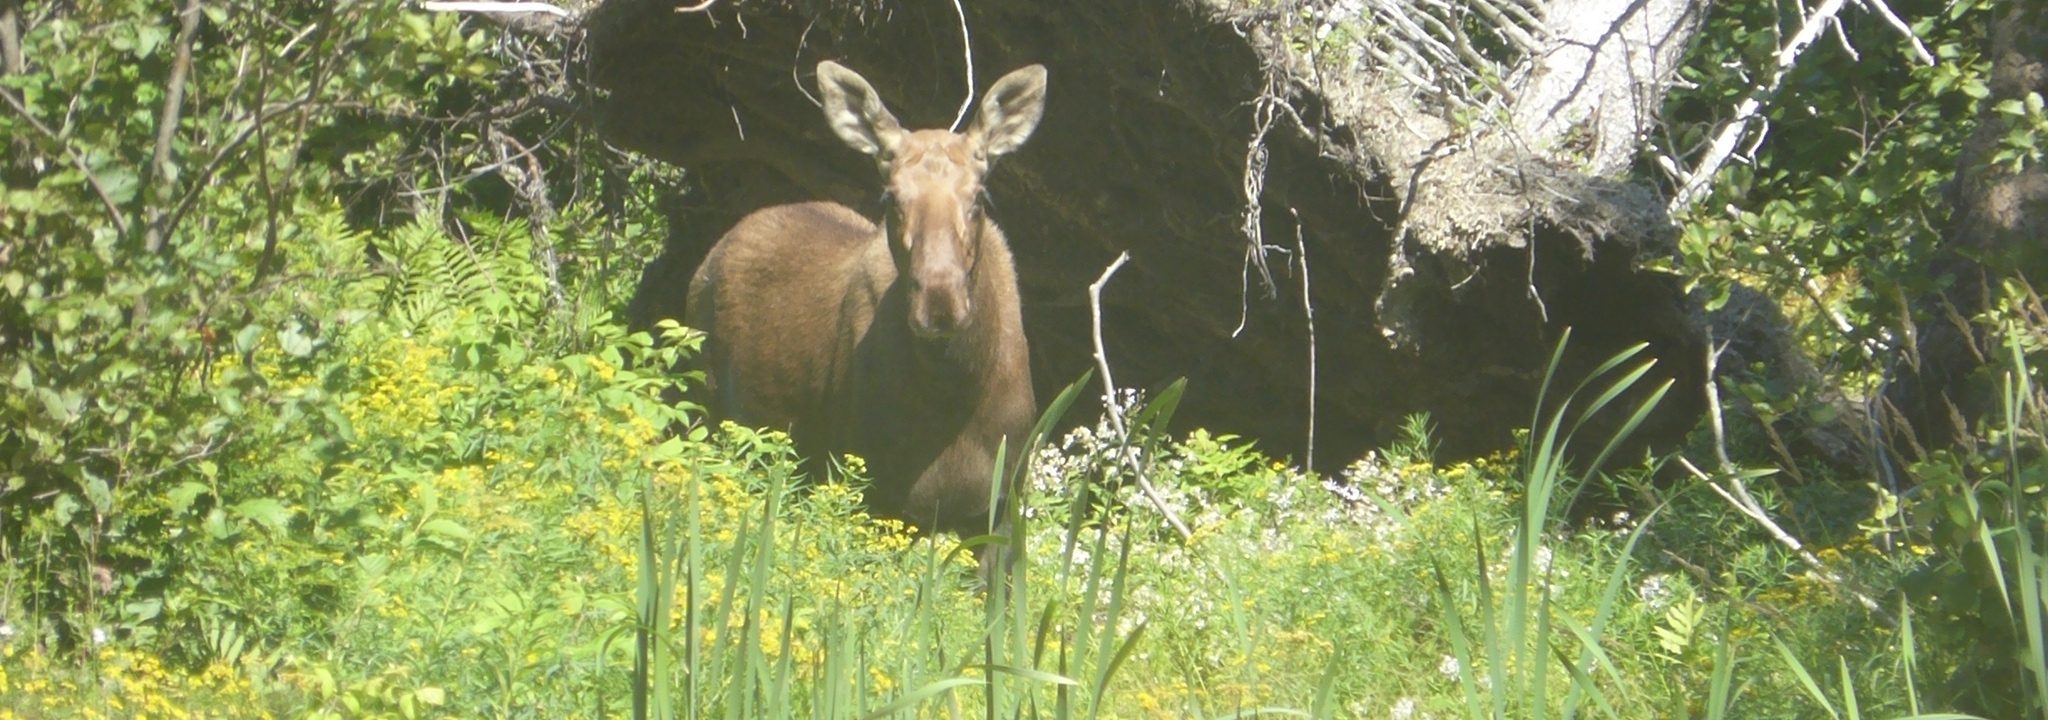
[(914, 697), (1805, 678), (1151, 420), (644, 664), (1583, 683), (1034, 675), (1461, 643), (2024, 507), (1628, 428), (1991, 554), (1908, 655), (1534, 695), (1610, 596), (1263, 712), (1615, 389), (1325, 704), (1848, 691), (1721, 684), (1549, 374), (1116, 661), (1114, 611), (1058, 407)]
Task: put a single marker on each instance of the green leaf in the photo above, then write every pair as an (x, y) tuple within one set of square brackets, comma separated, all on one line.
[(119, 182), (61, 407), (184, 495), (446, 528), (142, 611), (247, 337), (148, 37), (268, 512)]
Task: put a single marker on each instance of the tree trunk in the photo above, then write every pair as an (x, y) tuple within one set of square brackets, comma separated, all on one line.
[(2000, 217)]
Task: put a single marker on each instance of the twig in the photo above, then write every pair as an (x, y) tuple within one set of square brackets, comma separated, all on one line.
[(1095, 314), (801, 40), (269, 255), (91, 179), (158, 169), (1116, 419), (967, 49), (1308, 312), (699, 7), (484, 6), (204, 180), (1737, 494), (1891, 18)]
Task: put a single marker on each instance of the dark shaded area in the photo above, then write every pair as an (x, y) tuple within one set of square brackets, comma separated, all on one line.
[(1142, 149)]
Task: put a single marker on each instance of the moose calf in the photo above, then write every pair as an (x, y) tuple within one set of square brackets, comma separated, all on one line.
[(901, 342)]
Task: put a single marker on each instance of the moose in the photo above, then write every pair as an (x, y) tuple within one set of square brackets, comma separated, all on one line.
[(901, 342)]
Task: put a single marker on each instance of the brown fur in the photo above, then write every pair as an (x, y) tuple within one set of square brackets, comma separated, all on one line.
[(904, 346)]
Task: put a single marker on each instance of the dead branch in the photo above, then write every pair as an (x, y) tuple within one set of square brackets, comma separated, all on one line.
[(1308, 314), (1729, 484), (1116, 420), (91, 179), (497, 8), (967, 49), (1692, 184)]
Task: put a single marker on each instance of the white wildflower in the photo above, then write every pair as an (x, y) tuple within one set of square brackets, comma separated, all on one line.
[(1449, 667), (1654, 592), (1403, 709)]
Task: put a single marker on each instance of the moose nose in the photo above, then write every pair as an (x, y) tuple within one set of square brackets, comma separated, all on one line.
[(938, 309)]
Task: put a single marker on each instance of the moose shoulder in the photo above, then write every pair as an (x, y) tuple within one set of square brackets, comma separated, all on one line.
[(900, 342)]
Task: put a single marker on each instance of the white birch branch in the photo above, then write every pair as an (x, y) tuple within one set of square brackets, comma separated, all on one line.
[(1693, 184), (492, 7)]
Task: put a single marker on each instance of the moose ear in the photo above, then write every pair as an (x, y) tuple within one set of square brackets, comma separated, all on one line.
[(1010, 111), (856, 112)]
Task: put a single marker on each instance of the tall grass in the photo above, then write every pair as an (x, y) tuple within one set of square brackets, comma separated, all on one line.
[(1516, 661), (1051, 634)]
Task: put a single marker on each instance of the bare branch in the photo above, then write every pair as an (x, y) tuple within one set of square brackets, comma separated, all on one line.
[(967, 49), (1891, 18), (270, 234), (1693, 184), (1116, 418), (699, 7), (91, 179), (801, 41), (204, 179), (1095, 312), (1729, 484), (1308, 314), (495, 8)]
